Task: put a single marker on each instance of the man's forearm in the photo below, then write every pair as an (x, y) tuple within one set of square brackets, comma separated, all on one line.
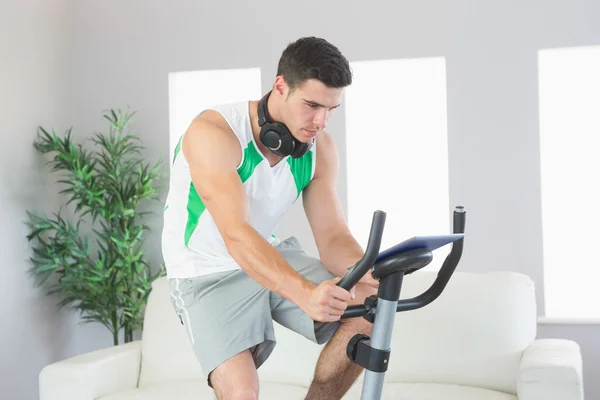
[(262, 262), (341, 252)]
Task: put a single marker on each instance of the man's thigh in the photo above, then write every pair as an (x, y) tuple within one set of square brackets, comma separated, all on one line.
[(224, 314), (288, 313)]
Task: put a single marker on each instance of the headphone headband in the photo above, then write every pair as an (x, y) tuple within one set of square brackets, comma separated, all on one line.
[(263, 112)]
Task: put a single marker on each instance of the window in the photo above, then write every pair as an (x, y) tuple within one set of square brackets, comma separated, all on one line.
[(569, 100), (191, 92), (397, 150)]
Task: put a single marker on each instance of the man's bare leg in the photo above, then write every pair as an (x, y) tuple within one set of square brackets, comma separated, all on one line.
[(335, 372), (236, 378)]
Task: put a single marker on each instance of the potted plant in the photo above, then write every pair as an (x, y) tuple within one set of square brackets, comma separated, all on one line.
[(103, 274)]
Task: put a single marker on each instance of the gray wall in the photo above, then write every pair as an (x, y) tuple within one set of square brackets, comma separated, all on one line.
[(34, 88), (121, 52)]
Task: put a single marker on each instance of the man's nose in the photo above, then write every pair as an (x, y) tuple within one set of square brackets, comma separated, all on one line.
[(320, 119)]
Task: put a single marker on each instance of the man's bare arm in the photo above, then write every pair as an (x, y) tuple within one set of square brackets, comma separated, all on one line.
[(337, 246), (213, 155)]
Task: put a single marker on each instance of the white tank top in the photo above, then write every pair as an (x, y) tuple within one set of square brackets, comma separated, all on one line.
[(191, 243)]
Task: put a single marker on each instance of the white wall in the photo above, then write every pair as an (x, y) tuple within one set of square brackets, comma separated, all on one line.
[(122, 52), (34, 84)]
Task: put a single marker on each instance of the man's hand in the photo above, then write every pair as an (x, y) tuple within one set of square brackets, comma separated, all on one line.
[(369, 280), (327, 302)]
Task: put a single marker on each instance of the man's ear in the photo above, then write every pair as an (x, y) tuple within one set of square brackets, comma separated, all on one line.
[(281, 87)]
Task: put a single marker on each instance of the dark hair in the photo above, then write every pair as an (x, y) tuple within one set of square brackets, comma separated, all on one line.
[(314, 58)]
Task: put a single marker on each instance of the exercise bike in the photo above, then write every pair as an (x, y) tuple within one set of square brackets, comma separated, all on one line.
[(390, 267)]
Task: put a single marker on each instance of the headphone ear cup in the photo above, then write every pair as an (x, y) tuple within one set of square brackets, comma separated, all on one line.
[(269, 138), (277, 138)]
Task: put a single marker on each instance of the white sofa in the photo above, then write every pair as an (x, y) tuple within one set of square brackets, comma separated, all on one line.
[(476, 341)]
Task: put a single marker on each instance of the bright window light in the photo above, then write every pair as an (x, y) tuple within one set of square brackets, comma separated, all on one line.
[(569, 100), (191, 92), (397, 150)]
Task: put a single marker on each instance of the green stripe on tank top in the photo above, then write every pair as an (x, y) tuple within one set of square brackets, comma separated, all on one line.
[(177, 149), (195, 205), (301, 170)]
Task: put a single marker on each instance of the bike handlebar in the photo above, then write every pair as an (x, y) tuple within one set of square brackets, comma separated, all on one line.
[(360, 268), (444, 274)]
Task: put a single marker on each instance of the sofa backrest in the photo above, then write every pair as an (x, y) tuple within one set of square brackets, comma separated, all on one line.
[(473, 334)]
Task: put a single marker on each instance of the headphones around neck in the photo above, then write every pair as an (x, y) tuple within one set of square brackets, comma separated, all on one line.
[(276, 136)]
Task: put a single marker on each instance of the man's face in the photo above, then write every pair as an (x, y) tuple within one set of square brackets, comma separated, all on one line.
[(308, 108)]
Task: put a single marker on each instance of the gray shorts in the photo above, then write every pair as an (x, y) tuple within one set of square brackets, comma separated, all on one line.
[(226, 313)]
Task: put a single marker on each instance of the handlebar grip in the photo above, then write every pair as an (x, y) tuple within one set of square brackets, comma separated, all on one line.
[(459, 219), (349, 280)]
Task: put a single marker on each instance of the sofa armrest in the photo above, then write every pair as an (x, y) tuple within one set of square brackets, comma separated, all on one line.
[(92, 375), (551, 369)]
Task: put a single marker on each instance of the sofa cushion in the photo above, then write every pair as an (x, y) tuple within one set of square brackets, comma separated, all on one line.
[(197, 390), (176, 390), (430, 391)]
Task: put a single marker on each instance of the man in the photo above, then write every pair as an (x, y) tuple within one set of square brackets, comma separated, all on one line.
[(237, 170)]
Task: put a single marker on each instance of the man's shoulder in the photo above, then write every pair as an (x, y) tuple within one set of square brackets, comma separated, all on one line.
[(210, 119), (210, 132), (326, 156), (205, 128), (224, 116), (326, 148), (325, 140)]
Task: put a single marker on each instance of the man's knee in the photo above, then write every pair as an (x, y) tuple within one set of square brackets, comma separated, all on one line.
[(236, 393), (359, 324), (362, 291), (240, 394), (356, 325)]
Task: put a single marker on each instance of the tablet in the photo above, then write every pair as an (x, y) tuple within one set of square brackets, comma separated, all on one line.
[(420, 242)]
